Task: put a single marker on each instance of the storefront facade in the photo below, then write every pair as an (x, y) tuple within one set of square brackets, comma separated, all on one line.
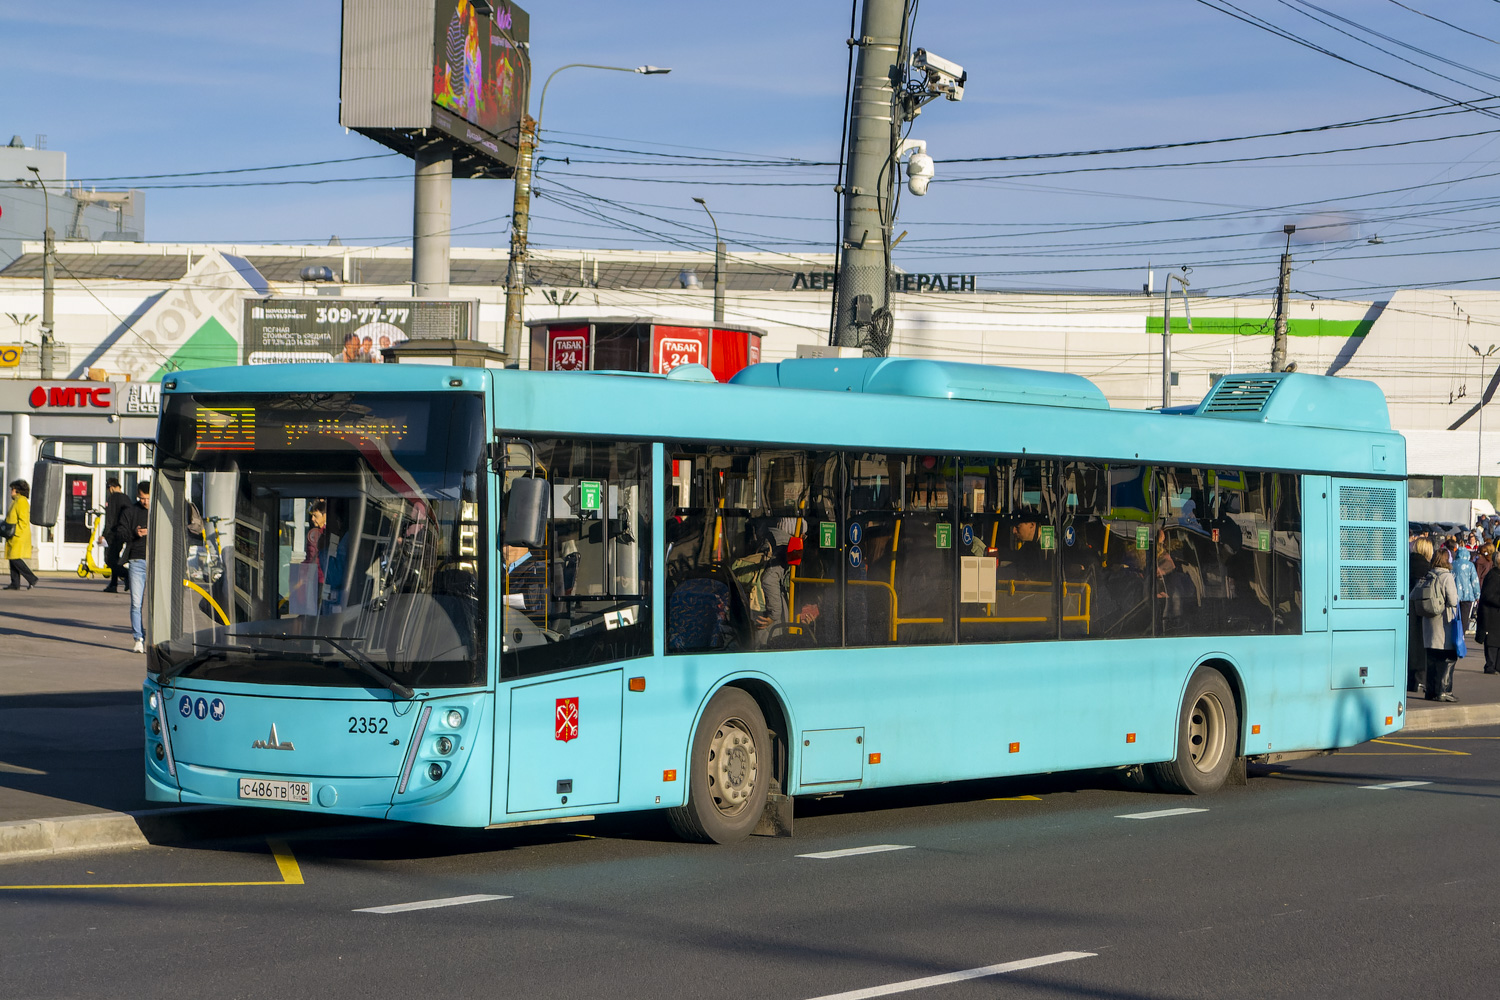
[(98, 430)]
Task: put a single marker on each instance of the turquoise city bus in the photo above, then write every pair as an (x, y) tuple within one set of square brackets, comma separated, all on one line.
[(484, 598)]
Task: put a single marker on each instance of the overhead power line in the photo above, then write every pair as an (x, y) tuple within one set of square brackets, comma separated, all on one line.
[(233, 170)]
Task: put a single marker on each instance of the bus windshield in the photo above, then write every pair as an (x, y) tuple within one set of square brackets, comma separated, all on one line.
[(319, 539)]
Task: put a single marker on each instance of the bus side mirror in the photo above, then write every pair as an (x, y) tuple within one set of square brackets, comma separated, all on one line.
[(526, 512)]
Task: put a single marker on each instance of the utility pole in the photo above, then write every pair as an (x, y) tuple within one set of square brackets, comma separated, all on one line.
[(1278, 345), (520, 219), (49, 342), (863, 279), (432, 221), (719, 254), (520, 223)]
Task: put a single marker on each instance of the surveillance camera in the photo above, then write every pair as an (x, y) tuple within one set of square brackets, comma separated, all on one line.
[(943, 76), (919, 173)]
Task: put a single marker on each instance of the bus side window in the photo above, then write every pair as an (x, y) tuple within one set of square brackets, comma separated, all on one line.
[(1008, 564), (1120, 598), (741, 571), (584, 596), (1286, 550), (899, 573), (706, 536)]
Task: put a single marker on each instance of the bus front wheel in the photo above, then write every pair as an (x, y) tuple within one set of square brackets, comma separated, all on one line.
[(729, 771), (1207, 737)]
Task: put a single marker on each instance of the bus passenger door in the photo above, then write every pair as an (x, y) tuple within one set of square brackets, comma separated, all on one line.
[(565, 743), (1317, 551)]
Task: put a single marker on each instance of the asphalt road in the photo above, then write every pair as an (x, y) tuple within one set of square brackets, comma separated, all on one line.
[(1303, 883)]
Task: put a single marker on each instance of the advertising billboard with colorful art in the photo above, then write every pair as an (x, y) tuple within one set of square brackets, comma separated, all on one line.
[(479, 66)]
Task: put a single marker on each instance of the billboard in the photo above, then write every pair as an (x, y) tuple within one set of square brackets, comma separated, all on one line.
[(460, 68), (478, 69), (301, 331)]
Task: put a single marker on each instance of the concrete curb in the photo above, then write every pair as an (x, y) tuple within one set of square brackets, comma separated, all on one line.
[(110, 831), (1424, 719), (31, 838)]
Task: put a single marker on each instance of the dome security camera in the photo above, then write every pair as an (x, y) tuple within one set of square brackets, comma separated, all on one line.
[(919, 172), (919, 166)]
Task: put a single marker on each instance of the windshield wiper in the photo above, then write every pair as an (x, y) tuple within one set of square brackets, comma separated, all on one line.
[(358, 659), (167, 673)]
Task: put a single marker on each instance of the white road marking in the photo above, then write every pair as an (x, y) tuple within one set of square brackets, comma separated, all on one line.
[(850, 851), (430, 904), (1395, 784), (958, 977), (1161, 813)]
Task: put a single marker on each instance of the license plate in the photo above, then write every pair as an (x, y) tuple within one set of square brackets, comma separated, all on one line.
[(274, 791)]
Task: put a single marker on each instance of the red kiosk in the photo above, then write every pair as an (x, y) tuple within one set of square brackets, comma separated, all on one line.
[(641, 344)]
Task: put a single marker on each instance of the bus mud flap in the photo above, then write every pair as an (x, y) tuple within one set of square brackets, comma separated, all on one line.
[(1239, 772), (776, 819)]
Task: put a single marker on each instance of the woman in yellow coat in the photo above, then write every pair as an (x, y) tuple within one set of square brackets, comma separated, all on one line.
[(18, 544)]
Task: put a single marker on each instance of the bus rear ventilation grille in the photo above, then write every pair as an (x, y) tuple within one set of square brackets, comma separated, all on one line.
[(1367, 503)]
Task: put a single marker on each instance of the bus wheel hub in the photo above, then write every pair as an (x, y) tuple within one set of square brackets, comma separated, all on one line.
[(733, 765)]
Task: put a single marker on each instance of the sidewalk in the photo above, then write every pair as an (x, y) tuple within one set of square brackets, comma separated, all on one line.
[(1478, 697), (71, 735)]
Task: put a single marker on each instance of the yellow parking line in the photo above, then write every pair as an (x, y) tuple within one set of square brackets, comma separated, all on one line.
[(1414, 746), (291, 874), (1018, 798)]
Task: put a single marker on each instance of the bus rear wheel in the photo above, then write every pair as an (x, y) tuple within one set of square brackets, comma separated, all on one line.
[(729, 772), (1207, 737)]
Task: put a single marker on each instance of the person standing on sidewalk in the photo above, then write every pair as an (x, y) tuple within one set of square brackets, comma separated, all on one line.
[(1437, 641), (1466, 577), (1487, 622), (18, 537), (133, 526), (1416, 655), (116, 504)]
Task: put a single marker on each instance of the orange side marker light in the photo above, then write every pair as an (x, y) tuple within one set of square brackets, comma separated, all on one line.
[(637, 683), (1130, 737), (1254, 730), (1389, 720), (1015, 748), (669, 775), (874, 758)]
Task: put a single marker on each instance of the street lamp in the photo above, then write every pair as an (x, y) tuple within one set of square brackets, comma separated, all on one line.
[(718, 265), (47, 278), (1166, 330), (1479, 471), (520, 219)]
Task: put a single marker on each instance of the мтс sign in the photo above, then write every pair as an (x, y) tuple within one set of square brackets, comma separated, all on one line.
[(62, 396)]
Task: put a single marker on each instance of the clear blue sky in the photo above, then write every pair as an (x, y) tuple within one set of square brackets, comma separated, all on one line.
[(138, 88)]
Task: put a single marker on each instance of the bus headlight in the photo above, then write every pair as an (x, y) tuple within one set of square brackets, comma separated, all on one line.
[(435, 771), (155, 726), (161, 753), (444, 745), (454, 719), (153, 701)]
